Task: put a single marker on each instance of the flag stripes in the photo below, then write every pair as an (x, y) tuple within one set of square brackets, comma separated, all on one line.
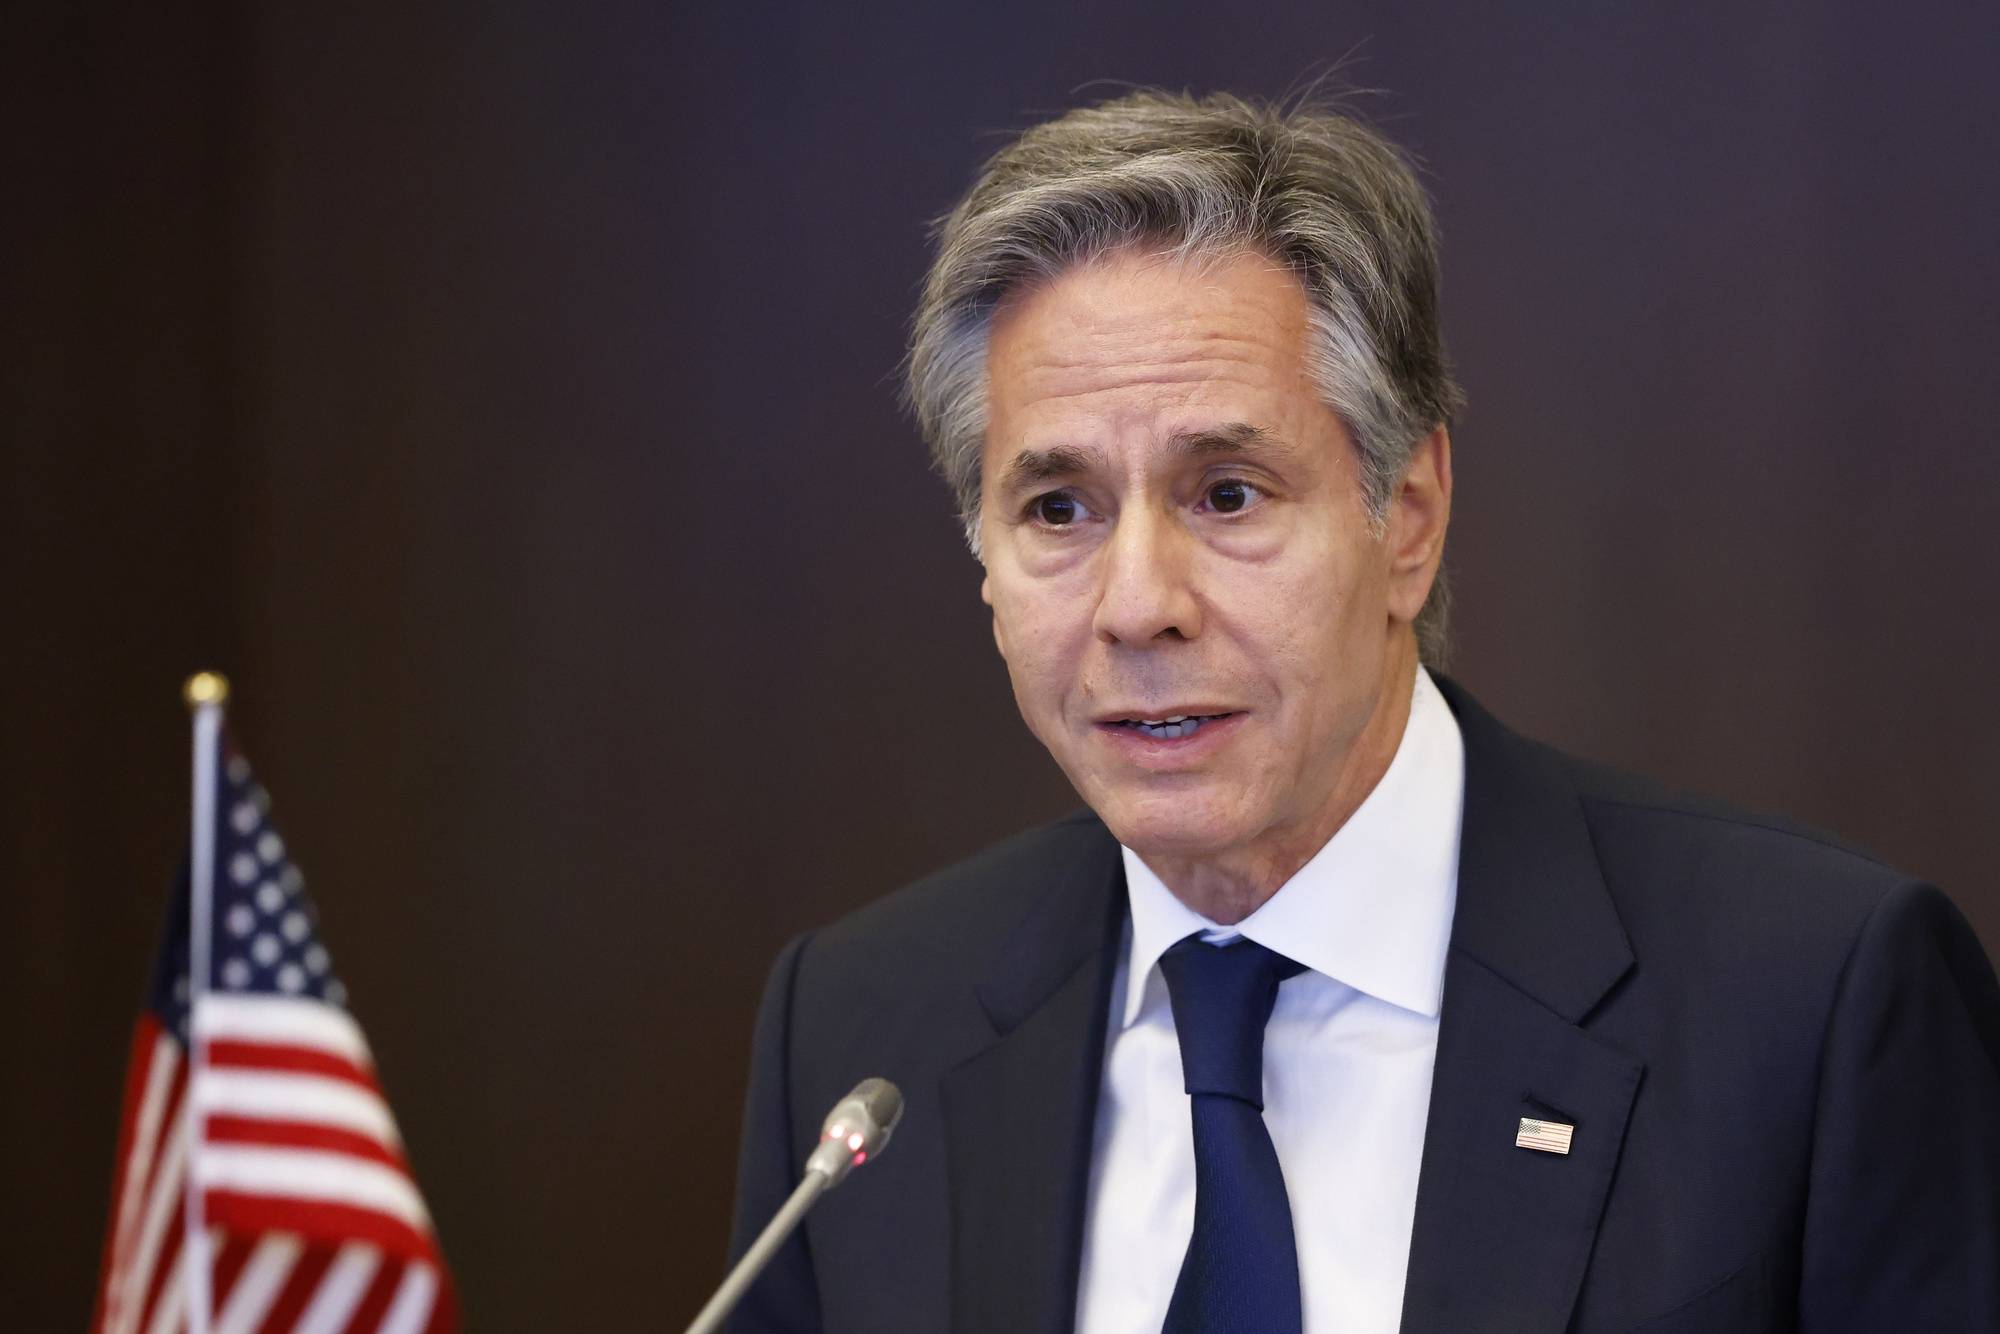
[(284, 1096), (286, 1200), (339, 1295), (287, 1134), (310, 1219), (301, 1285)]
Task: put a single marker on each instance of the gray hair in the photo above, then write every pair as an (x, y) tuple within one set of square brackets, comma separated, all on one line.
[(1306, 186)]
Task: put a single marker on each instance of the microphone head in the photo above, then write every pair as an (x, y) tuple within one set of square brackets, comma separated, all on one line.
[(883, 1102), (856, 1129)]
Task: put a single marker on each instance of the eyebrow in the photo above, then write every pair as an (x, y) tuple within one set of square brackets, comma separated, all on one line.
[(1234, 440), (1032, 467)]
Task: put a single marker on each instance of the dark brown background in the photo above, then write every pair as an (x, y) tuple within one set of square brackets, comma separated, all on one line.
[(503, 394)]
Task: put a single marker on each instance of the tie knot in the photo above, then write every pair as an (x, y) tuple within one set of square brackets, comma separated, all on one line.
[(1222, 997)]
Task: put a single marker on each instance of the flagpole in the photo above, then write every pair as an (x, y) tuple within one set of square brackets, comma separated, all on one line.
[(206, 694)]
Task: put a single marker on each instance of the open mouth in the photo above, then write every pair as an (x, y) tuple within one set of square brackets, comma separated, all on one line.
[(1171, 728)]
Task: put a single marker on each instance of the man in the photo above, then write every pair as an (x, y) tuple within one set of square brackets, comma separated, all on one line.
[(1344, 1008)]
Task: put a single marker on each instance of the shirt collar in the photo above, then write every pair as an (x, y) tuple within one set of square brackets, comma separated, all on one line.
[(1373, 907)]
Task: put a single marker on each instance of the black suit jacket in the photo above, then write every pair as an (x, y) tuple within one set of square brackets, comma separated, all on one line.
[(1781, 1058)]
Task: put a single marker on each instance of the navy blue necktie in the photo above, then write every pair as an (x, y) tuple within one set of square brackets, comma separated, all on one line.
[(1242, 1267)]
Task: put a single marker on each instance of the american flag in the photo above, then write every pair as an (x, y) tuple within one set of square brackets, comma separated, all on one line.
[(313, 1221)]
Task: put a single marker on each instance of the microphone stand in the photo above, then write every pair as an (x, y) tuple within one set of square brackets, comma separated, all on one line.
[(857, 1128), (711, 1316)]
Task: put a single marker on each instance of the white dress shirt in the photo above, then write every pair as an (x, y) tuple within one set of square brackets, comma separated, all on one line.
[(1347, 1056)]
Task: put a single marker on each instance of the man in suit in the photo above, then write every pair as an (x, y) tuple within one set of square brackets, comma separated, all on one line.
[(1343, 1007)]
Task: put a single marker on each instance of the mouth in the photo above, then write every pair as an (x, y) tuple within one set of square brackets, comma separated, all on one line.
[(1169, 727)]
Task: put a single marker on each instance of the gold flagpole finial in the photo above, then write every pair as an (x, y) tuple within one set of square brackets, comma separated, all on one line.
[(206, 688)]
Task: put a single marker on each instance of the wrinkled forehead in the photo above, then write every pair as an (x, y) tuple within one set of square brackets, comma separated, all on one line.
[(1145, 341)]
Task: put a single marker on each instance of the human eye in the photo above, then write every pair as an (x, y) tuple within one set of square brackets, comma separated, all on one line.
[(1230, 495), (1056, 509)]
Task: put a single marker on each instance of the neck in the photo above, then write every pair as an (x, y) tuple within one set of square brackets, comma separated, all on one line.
[(1227, 886)]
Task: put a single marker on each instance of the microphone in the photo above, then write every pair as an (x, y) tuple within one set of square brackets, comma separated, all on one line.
[(857, 1129)]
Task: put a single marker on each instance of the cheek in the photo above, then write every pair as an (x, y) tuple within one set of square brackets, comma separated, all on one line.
[(1306, 617), (1035, 634)]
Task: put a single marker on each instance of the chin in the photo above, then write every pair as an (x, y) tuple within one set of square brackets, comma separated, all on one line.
[(1183, 824)]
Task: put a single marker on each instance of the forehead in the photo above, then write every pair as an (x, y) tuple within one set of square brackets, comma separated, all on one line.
[(1132, 338)]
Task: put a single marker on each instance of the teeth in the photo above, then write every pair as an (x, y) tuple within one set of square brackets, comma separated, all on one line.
[(1172, 728)]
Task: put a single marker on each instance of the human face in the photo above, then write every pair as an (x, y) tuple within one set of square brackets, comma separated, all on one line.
[(1173, 526)]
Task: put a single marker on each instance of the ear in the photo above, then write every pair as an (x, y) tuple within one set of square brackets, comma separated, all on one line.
[(1419, 513), (986, 596)]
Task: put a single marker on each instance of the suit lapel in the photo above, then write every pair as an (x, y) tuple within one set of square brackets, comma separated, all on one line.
[(1019, 1113), (1502, 1234)]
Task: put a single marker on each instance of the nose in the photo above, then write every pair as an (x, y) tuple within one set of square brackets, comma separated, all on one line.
[(1147, 590)]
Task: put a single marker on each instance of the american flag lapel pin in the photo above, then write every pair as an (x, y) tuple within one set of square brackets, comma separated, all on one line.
[(1547, 1136)]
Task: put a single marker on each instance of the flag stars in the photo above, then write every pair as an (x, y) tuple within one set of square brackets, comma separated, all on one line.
[(266, 926)]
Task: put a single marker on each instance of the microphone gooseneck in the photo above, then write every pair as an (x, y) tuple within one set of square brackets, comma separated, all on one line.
[(857, 1129)]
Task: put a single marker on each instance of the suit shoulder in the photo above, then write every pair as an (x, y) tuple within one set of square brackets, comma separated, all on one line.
[(1612, 796), (1684, 859), (892, 986)]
